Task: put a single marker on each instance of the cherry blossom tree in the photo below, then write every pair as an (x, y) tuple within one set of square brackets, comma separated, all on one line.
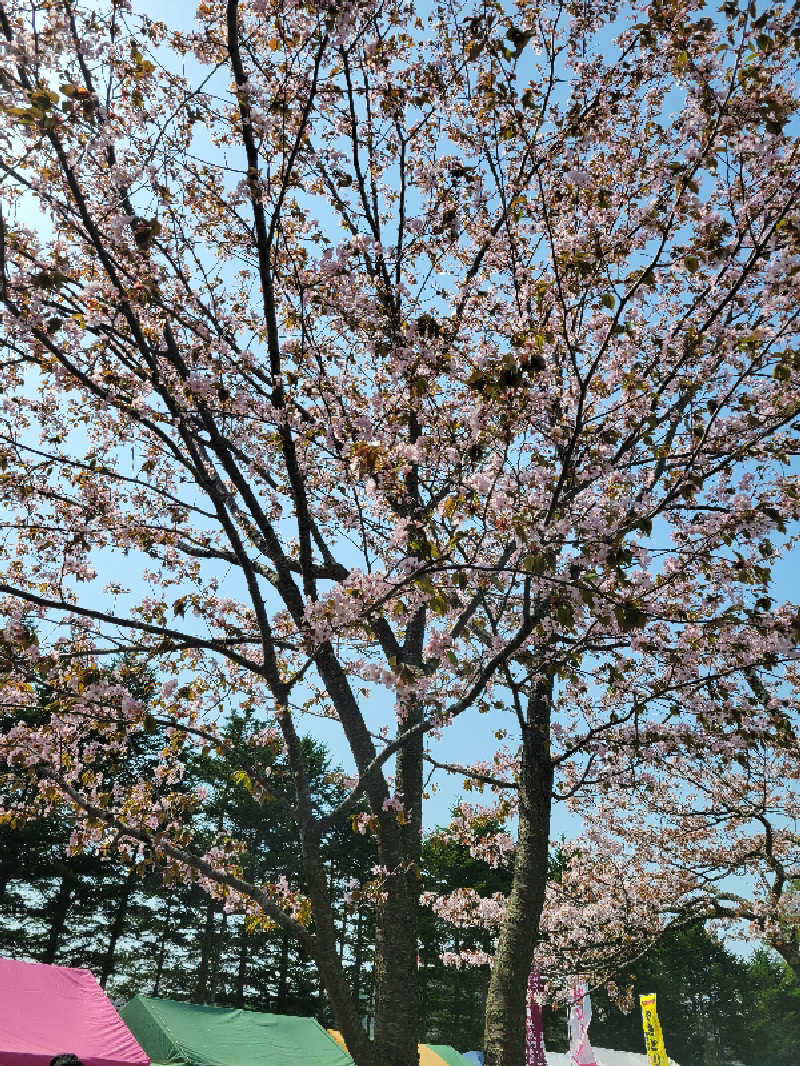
[(358, 356), (700, 824)]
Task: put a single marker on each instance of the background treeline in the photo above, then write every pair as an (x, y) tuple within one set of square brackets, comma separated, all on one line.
[(141, 933), (146, 935)]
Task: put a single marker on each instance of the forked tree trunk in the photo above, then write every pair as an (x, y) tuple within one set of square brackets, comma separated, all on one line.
[(504, 1033)]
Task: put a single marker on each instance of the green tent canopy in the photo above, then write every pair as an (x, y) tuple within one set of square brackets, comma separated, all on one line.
[(429, 1054), (186, 1034)]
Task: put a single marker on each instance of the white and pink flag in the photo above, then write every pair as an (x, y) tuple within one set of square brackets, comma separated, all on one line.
[(580, 1014)]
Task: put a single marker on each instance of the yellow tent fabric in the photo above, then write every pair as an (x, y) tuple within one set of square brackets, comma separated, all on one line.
[(427, 1057)]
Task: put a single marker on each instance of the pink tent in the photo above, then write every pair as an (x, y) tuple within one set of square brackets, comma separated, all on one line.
[(49, 1010)]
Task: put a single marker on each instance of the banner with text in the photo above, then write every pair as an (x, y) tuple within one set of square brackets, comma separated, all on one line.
[(534, 1030), (653, 1037)]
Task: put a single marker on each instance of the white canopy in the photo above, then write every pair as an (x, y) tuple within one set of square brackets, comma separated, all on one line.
[(605, 1057)]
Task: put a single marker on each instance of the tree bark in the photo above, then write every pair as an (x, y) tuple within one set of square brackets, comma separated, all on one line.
[(396, 1007), (504, 1032), (397, 1022)]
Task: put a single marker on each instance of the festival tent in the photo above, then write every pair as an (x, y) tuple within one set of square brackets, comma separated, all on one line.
[(187, 1034), (49, 1010), (604, 1057), (429, 1054), (446, 1052)]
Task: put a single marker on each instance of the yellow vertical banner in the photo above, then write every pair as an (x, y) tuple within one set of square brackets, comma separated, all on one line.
[(653, 1038)]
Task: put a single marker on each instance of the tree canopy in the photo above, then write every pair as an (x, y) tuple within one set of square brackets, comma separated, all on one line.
[(390, 366)]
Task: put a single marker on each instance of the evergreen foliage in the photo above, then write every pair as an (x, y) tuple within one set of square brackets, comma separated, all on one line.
[(715, 1008)]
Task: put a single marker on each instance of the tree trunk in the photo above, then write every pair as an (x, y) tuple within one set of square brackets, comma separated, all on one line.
[(504, 1033), (397, 1022), (58, 910), (396, 1007), (323, 947), (117, 925)]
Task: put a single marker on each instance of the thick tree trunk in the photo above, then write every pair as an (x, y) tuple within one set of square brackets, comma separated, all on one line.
[(397, 1023), (396, 1018), (504, 1033), (324, 951), (396, 1008), (117, 925), (57, 911)]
